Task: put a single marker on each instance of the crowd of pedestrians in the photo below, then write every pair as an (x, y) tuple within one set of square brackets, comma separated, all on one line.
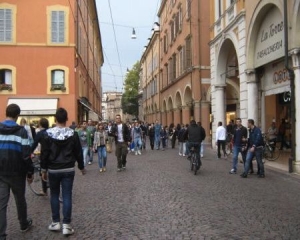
[(60, 148)]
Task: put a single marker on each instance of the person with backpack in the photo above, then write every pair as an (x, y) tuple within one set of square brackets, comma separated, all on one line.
[(136, 136)]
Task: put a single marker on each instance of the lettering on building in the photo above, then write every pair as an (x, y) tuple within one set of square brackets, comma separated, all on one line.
[(280, 76)]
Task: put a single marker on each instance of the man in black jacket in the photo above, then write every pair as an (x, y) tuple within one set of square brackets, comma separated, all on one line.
[(122, 138), (15, 167), (194, 134), (61, 149)]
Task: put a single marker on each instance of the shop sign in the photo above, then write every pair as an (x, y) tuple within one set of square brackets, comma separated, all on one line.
[(280, 76), (270, 44)]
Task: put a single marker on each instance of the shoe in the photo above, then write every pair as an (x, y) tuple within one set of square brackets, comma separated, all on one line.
[(119, 170), (243, 175), (136, 153), (124, 167), (180, 154), (104, 169), (189, 157), (201, 155), (54, 226), (100, 170), (28, 225), (261, 176), (67, 229), (251, 172), (183, 155), (89, 163), (232, 171), (139, 153)]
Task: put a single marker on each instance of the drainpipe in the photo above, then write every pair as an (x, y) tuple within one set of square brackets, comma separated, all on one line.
[(292, 86)]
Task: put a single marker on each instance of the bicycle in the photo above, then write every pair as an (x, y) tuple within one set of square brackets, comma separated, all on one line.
[(194, 164), (270, 151)]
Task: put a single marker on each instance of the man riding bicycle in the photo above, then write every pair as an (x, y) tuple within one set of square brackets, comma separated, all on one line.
[(194, 136)]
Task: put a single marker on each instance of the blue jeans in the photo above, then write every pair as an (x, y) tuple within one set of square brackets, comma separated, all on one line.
[(157, 141), (258, 155), (17, 185), (65, 181), (85, 151), (90, 154), (236, 151), (201, 149), (102, 156), (137, 144)]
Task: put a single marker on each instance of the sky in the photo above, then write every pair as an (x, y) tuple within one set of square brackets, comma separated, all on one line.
[(119, 50)]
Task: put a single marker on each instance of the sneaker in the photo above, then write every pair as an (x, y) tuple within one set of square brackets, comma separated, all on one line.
[(100, 170), (104, 169), (183, 155), (201, 155), (67, 229), (243, 175), (232, 171), (136, 153), (124, 167), (54, 226), (261, 176), (119, 170), (28, 225), (180, 154), (139, 152), (89, 163)]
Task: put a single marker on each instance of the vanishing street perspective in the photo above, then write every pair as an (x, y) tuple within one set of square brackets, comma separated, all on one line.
[(158, 119)]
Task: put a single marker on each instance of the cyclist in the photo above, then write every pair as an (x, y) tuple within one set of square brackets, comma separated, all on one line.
[(194, 140)]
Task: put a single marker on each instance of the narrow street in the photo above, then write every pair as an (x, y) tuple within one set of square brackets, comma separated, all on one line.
[(157, 197)]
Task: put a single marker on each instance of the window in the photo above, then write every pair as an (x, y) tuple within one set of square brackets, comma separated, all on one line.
[(188, 8), (57, 26), (58, 80), (181, 61), (219, 8), (6, 25), (180, 19), (174, 67), (188, 53), (5, 79)]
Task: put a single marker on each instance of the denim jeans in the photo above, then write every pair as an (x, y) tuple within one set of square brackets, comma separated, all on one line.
[(137, 144), (63, 181), (90, 154), (157, 141), (102, 156), (182, 149), (85, 151), (201, 149), (258, 155), (236, 151), (17, 184)]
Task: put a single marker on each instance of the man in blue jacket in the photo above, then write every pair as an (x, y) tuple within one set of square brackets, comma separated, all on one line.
[(255, 148), (15, 167)]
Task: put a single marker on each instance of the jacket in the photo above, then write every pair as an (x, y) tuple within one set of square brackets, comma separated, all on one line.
[(97, 141), (255, 138), (244, 133), (125, 131), (61, 149), (194, 133), (14, 149)]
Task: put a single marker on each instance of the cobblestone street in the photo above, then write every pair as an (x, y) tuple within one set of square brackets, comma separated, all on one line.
[(157, 197)]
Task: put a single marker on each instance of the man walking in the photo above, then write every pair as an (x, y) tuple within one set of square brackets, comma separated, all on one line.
[(61, 149), (239, 144), (85, 141), (255, 144), (122, 138), (221, 139), (15, 167), (157, 129)]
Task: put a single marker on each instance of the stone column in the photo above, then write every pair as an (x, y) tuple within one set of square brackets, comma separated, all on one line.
[(186, 115), (197, 111), (296, 67), (177, 117), (169, 117), (252, 90), (205, 121), (220, 105)]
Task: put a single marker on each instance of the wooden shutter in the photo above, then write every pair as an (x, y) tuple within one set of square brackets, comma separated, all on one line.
[(57, 26), (5, 25)]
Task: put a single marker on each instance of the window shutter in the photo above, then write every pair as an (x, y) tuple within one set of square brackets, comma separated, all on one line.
[(5, 25), (58, 26)]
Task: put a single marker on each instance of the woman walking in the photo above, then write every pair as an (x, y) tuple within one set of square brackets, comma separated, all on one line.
[(100, 139)]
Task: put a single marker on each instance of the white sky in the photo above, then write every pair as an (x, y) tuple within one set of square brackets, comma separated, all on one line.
[(138, 14)]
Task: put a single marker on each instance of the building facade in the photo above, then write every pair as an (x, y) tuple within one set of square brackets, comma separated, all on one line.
[(252, 43), (51, 56), (184, 62)]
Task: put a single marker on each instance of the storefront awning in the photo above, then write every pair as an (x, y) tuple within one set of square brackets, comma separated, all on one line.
[(35, 106), (93, 116), (275, 91)]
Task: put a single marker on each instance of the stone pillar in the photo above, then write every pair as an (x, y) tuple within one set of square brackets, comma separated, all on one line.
[(169, 117), (164, 118), (197, 111), (296, 67), (177, 116), (186, 115), (205, 121), (220, 105), (252, 90)]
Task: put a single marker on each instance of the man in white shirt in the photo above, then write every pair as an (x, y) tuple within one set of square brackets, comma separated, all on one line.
[(221, 139)]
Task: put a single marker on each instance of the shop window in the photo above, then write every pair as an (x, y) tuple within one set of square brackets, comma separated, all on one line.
[(5, 79), (58, 80)]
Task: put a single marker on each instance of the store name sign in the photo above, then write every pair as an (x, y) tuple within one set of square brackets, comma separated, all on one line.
[(280, 76), (270, 45)]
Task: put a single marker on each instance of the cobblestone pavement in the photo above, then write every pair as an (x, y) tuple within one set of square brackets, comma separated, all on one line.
[(158, 197)]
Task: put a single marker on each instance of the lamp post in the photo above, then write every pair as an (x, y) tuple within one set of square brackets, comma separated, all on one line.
[(292, 86)]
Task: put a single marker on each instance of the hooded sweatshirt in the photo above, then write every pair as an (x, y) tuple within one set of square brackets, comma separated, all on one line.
[(14, 149), (61, 149)]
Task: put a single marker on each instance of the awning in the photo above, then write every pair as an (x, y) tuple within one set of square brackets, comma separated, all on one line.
[(93, 116), (35, 106), (278, 90)]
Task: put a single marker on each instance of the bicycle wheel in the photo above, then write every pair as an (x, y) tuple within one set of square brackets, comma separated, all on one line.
[(36, 185), (272, 153), (195, 164), (191, 163)]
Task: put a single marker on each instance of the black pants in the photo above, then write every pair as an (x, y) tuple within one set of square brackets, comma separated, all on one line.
[(152, 142), (121, 154), (221, 143)]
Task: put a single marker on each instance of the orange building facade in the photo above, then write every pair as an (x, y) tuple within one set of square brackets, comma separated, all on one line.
[(51, 56)]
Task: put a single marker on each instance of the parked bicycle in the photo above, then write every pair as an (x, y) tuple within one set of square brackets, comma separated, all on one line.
[(270, 152), (194, 163)]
